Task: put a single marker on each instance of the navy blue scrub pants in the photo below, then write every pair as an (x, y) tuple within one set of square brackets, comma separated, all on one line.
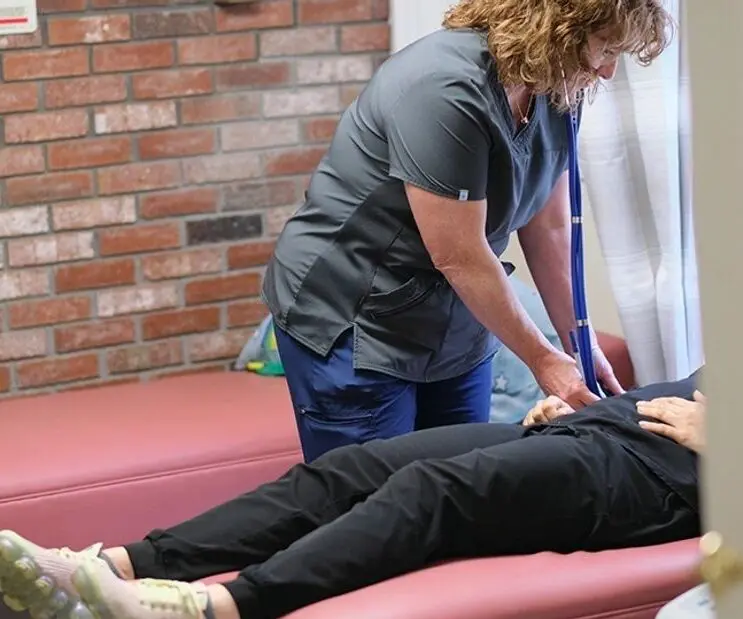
[(337, 405)]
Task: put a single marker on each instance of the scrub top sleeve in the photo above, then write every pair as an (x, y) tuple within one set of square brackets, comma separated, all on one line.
[(439, 141)]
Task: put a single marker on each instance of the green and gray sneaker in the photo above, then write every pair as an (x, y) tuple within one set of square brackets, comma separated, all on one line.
[(40, 579), (108, 597)]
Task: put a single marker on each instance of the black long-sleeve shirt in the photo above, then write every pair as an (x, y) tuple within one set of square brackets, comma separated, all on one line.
[(617, 419)]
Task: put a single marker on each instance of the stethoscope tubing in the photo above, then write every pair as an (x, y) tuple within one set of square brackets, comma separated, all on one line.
[(581, 336)]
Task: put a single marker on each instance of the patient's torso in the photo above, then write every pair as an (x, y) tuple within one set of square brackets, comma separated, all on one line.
[(617, 418)]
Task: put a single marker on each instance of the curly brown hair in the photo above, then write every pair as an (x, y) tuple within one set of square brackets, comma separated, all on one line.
[(534, 41)]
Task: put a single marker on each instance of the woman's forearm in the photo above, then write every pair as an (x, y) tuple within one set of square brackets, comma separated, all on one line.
[(545, 241), (454, 235), (547, 256), (481, 282)]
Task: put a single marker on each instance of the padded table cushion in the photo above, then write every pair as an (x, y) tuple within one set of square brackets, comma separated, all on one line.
[(110, 464), (621, 584), (631, 583)]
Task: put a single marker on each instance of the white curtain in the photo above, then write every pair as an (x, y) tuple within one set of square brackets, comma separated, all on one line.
[(635, 158), (413, 19)]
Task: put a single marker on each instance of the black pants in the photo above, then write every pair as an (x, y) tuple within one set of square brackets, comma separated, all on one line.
[(362, 514)]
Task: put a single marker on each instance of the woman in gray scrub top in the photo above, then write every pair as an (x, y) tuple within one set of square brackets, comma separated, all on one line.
[(386, 288)]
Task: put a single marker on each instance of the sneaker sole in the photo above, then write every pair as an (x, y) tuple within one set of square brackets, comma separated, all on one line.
[(91, 595), (25, 586)]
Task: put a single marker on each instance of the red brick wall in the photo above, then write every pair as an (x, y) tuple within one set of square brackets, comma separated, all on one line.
[(152, 149)]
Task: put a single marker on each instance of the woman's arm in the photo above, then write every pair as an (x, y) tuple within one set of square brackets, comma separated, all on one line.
[(440, 148), (453, 232), (545, 241), (454, 235)]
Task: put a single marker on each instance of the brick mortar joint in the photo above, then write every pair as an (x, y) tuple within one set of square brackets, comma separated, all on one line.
[(262, 212)]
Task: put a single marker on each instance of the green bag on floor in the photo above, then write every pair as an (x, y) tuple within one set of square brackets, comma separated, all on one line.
[(261, 354)]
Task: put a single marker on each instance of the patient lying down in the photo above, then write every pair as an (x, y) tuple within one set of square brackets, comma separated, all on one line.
[(622, 472)]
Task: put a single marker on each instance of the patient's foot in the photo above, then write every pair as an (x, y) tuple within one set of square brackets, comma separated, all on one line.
[(40, 579), (104, 595)]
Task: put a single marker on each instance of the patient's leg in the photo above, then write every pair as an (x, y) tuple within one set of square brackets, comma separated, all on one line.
[(254, 526), (558, 492), (542, 493)]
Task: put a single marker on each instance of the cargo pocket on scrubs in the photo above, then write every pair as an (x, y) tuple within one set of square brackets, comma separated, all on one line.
[(326, 430)]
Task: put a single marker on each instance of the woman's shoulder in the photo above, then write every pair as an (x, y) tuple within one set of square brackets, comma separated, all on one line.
[(449, 60)]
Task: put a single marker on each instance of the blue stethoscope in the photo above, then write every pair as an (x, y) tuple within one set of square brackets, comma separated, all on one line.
[(581, 337)]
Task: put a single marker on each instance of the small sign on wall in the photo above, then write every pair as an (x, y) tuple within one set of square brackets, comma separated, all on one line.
[(18, 16)]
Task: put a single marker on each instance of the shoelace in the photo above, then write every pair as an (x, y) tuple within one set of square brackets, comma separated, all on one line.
[(90, 551), (169, 595)]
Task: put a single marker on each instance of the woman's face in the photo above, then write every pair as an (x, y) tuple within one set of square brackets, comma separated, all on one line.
[(600, 58)]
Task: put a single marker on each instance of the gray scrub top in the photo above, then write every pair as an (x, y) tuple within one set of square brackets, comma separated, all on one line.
[(434, 115)]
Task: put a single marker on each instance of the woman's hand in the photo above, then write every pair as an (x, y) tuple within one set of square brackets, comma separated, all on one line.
[(678, 419), (547, 410), (605, 373), (557, 374)]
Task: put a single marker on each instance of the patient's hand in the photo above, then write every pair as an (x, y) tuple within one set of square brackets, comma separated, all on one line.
[(678, 419), (547, 410)]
